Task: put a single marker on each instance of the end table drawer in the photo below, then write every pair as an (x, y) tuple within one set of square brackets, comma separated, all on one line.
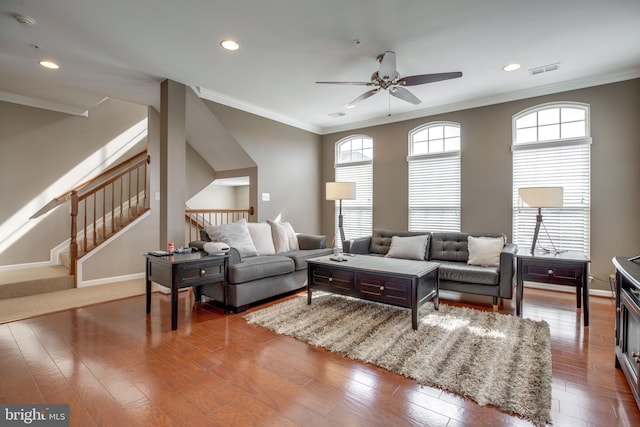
[(394, 291), (202, 274), (551, 272), (331, 280)]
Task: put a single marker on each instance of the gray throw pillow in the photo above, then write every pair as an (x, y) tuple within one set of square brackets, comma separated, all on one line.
[(235, 235), (412, 247)]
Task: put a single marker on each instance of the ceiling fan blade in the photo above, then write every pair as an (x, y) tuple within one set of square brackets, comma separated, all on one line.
[(428, 78), (346, 83), (387, 70), (404, 94), (362, 97)]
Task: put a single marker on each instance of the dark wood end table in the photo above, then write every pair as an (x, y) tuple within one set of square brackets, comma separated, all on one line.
[(569, 268), (185, 270)]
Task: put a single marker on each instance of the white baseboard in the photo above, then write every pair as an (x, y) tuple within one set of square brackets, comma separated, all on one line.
[(106, 280), (26, 265)]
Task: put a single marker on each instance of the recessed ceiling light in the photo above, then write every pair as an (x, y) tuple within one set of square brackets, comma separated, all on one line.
[(230, 44), (511, 67), (49, 64)]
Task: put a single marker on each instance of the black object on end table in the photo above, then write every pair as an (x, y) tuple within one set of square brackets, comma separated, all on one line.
[(568, 268), (185, 270)]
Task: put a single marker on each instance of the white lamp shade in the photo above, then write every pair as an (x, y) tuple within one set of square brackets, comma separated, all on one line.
[(540, 197), (340, 190)]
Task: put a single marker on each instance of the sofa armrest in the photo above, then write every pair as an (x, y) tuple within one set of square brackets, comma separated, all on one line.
[(507, 270), (311, 241), (234, 256), (359, 245)]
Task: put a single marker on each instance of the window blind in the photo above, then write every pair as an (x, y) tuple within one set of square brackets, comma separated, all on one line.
[(357, 214), (434, 192), (562, 163)]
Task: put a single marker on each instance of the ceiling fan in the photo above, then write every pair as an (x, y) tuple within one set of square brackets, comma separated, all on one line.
[(387, 77)]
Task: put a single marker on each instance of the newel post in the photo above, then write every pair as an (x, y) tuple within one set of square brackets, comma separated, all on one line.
[(73, 246)]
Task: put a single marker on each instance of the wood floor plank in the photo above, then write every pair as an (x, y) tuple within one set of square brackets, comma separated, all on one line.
[(114, 365)]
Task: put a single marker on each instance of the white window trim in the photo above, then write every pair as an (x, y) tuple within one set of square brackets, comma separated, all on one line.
[(550, 144), (440, 154), (548, 105)]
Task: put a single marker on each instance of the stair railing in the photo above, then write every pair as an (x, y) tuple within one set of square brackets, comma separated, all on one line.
[(200, 219), (105, 204)]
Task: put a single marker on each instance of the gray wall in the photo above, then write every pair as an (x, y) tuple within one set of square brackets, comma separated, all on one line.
[(37, 148), (486, 169), (288, 162)]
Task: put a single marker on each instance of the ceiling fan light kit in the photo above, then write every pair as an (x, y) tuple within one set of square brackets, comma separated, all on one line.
[(387, 77)]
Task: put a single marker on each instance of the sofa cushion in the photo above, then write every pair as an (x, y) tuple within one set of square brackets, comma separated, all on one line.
[(262, 238), (381, 239), (235, 235), (410, 247), (449, 246), (259, 267), (460, 272), (485, 251), (300, 257)]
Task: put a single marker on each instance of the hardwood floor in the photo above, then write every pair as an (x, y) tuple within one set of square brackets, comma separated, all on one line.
[(117, 367)]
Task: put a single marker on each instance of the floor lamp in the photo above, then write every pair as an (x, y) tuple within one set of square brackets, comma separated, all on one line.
[(341, 191), (539, 197)]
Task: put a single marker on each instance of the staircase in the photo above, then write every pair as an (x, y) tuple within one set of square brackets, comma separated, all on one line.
[(100, 208), (32, 281)]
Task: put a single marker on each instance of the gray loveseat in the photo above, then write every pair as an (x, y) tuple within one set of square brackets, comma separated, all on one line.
[(450, 250), (257, 277)]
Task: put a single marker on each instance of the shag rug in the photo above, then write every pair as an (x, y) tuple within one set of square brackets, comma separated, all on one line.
[(491, 358)]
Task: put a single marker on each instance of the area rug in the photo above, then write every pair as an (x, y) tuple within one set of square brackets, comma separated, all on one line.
[(491, 358)]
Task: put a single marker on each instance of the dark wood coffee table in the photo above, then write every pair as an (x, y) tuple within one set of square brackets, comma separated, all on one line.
[(399, 282)]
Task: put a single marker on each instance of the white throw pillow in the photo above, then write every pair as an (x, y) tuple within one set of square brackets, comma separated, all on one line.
[(284, 237), (485, 251), (291, 237), (261, 236), (235, 235), (411, 247)]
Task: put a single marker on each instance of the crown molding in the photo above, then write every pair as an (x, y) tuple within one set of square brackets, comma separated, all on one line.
[(491, 100), (253, 109), (45, 105)]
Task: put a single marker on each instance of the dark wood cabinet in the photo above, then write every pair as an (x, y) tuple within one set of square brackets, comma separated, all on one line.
[(627, 348)]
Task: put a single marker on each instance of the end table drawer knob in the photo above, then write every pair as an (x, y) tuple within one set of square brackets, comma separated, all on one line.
[(382, 288), (331, 279), (550, 272), (203, 272)]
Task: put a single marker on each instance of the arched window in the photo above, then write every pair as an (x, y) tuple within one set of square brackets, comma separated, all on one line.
[(552, 148), (354, 163), (434, 177)]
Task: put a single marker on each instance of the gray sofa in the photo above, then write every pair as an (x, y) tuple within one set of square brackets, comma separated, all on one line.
[(254, 278), (450, 251)]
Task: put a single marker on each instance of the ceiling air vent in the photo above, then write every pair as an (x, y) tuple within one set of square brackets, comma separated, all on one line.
[(338, 114), (544, 69)]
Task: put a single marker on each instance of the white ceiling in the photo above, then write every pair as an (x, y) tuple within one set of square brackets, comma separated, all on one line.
[(124, 49)]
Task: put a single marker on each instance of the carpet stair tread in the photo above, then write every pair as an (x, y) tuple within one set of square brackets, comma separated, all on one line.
[(32, 281)]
